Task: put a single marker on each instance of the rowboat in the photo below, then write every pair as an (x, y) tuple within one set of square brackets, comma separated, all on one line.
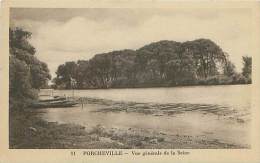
[(59, 102), (53, 99)]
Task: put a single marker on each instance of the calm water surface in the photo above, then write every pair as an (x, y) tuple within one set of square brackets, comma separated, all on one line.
[(236, 97)]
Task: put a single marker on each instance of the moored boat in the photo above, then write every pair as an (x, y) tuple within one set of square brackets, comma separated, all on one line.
[(53, 99), (54, 103)]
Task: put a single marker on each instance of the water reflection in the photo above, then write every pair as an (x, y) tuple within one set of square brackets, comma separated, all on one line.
[(193, 123)]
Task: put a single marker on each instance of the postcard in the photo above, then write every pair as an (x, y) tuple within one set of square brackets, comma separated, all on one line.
[(128, 81)]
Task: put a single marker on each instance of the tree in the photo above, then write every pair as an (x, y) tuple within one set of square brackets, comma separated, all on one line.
[(153, 61), (229, 69), (163, 63), (206, 55), (18, 41), (65, 73), (40, 75), (19, 79), (247, 67), (26, 73)]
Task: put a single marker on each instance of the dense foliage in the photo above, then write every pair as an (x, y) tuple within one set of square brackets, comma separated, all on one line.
[(163, 63), (247, 69), (26, 73)]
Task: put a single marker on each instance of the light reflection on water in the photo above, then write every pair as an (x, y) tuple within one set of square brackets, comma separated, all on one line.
[(235, 95), (188, 123)]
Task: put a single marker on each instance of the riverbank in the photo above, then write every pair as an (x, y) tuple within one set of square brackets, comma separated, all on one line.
[(202, 83), (29, 131)]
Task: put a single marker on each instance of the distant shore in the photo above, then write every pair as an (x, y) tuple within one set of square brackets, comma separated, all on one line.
[(160, 86)]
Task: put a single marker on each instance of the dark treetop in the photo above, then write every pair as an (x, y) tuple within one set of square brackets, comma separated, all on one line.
[(163, 63)]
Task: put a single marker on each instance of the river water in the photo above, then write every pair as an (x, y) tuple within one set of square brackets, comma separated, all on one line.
[(226, 128)]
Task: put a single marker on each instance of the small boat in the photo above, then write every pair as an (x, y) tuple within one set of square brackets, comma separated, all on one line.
[(53, 99), (54, 105), (59, 102)]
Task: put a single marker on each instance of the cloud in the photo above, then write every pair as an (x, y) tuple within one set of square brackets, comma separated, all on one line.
[(81, 37)]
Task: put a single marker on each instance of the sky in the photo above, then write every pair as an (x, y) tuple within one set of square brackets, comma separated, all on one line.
[(61, 35)]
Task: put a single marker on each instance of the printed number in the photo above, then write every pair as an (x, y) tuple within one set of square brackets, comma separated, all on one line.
[(72, 153)]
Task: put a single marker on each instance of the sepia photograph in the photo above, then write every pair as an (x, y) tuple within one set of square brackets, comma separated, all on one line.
[(130, 78)]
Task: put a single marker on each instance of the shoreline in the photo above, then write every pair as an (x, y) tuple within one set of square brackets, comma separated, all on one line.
[(29, 131), (142, 87)]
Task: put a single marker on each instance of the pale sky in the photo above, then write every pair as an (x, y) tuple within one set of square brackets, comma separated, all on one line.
[(61, 35)]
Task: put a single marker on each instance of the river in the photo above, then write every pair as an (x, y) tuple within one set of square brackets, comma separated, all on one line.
[(233, 100)]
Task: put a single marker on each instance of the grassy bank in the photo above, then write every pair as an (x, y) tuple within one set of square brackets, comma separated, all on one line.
[(28, 131)]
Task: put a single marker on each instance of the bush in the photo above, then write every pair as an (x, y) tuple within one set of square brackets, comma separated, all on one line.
[(238, 79)]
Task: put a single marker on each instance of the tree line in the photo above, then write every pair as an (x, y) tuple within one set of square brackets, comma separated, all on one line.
[(163, 63), (27, 74)]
